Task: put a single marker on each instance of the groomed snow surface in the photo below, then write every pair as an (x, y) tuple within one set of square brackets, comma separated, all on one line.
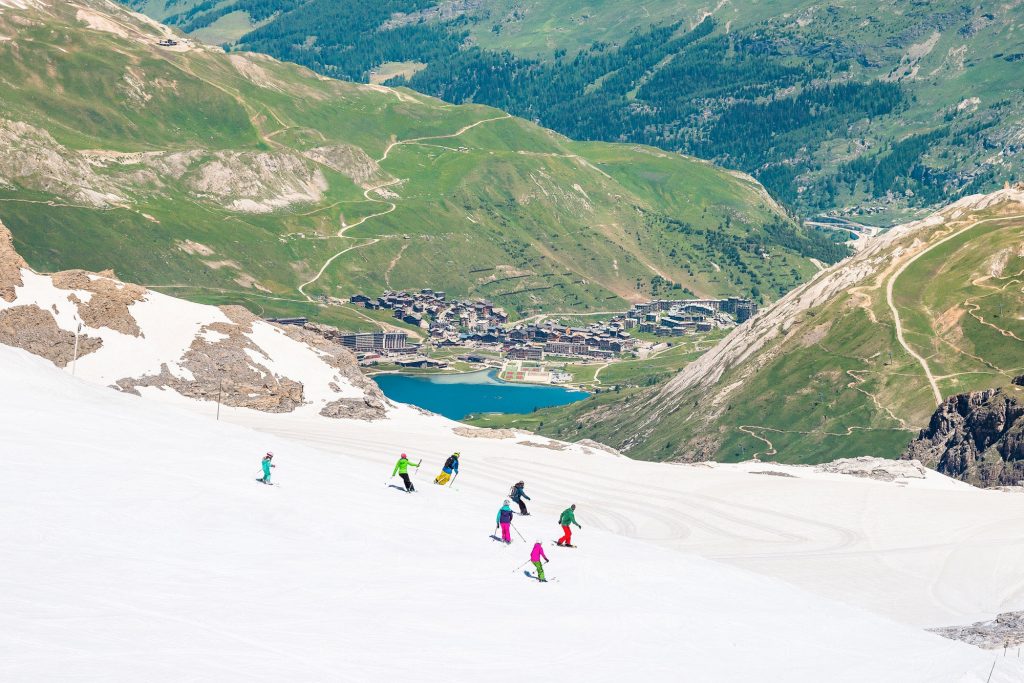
[(137, 546)]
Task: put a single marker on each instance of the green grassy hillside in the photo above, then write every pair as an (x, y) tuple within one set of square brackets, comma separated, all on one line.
[(233, 177), (872, 109), (827, 372)]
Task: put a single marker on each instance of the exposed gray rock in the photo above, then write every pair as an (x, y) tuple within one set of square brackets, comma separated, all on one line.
[(976, 437), (880, 469), (550, 445), (597, 445), (486, 433), (1006, 630)]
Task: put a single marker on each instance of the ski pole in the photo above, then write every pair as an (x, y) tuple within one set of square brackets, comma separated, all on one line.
[(520, 566), (517, 532), (418, 467), (453, 479)]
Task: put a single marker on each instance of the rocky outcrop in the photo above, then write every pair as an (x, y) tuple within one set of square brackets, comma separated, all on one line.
[(597, 445), (109, 303), (224, 363), (258, 182), (486, 433), (373, 405), (366, 408), (350, 161), (1006, 630), (879, 469), (11, 265), (976, 437), (33, 159), (225, 370), (36, 331), (551, 445)]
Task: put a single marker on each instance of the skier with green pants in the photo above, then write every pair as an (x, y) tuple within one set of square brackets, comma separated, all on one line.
[(402, 470), (568, 517)]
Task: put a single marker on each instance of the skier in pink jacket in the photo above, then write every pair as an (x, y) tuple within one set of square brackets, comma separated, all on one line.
[(535, 556)]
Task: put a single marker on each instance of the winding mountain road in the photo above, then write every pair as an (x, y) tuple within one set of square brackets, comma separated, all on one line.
[(889, 286), (391, 206)]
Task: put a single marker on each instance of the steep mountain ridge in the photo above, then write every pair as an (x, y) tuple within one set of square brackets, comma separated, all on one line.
[(851, 363), (119, 150)]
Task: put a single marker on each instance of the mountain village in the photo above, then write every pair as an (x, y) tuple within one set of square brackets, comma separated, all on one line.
[(526, 351)]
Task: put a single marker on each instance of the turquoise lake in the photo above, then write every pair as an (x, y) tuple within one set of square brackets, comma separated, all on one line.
[(456, 396)]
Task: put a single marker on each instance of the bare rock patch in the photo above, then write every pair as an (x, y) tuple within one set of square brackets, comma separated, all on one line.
[(108, 306), (11, 265), (36, 331), (879, 469)]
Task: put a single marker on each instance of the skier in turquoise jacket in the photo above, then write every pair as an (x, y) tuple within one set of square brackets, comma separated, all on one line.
[(268, 462), (504, 520)]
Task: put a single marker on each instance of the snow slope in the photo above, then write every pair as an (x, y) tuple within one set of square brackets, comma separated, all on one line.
[(137, 546), (926, 552)]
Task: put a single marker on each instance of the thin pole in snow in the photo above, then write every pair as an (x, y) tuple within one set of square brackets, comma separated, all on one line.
[(991, 671), (220, 390), (74, 358)]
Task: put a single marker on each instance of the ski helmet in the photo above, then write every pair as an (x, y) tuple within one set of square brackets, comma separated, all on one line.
[(506, 501), (269, 454)]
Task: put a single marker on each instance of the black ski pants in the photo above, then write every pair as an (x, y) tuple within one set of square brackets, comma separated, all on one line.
[(522, 507), (407, 480)]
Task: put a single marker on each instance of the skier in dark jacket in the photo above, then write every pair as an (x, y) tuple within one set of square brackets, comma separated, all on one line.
[(451, 465), (519, 495)]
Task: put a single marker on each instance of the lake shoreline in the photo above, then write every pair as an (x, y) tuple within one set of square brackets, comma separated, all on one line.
[(460, 395)]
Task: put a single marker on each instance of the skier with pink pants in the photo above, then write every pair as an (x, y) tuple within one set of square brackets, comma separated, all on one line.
[(504, 520), (535, 556)]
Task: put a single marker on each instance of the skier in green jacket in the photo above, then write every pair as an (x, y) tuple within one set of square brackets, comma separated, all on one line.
[(402, 470), (568, 517)]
